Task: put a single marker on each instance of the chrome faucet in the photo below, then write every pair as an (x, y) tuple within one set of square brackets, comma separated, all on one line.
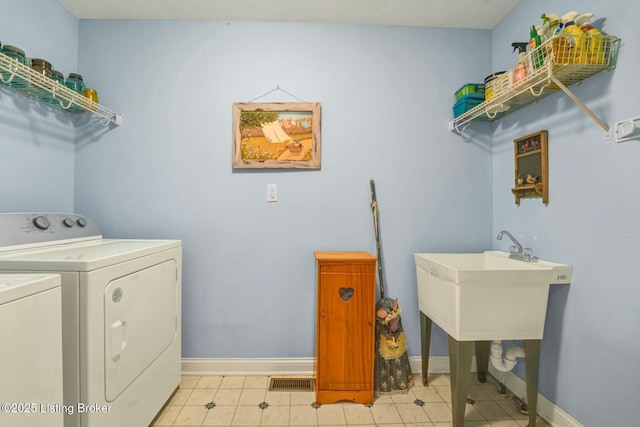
[(517, 251)]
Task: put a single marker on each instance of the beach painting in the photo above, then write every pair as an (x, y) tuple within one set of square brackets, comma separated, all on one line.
[(283, 135)]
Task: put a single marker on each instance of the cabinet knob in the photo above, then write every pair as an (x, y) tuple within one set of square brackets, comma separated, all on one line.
[(370, 323), (322, 314)]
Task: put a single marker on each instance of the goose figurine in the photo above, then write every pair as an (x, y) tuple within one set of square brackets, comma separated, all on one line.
[(531, 179)]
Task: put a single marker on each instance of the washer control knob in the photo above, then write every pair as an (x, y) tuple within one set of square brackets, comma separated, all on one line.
[(41, 222), (68, 222), (82, 222)]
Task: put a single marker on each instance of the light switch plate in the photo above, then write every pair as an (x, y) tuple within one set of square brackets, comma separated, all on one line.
[(272, 192)]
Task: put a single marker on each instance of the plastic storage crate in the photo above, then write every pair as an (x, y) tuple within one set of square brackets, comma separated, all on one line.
[(466, 103), (470, 88)]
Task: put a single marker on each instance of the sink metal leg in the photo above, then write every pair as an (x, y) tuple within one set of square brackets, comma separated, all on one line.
[(482, 359), (425, 334), (460, 369), (532, 370)]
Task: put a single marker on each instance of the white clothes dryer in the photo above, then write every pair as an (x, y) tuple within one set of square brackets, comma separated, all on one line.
[(31, 355), (121, 314)]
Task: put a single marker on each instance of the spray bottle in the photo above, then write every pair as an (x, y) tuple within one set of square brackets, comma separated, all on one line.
[(596, 51), (567, 20), (553, 20), (542, 31), (569, 48), (577, 38), (520, 72), (584, 23)]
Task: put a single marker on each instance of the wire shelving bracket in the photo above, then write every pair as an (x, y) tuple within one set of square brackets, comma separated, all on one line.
[(66, 97), (565, 61)]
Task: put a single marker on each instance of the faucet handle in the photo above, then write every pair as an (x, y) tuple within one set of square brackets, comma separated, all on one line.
[(513, 250), (528, 253)]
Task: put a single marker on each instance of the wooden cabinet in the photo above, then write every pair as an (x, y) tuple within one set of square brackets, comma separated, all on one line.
[(345, 326)]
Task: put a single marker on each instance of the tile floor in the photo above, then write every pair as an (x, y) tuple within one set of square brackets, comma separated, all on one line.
[(245, 401)]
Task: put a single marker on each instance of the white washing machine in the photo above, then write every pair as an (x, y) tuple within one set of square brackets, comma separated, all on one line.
[(31, 354), (121, 314)]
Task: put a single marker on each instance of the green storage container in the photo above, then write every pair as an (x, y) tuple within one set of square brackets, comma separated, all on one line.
[(469, 88)]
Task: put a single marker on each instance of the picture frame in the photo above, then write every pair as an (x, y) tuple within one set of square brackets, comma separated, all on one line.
[(276, 135)]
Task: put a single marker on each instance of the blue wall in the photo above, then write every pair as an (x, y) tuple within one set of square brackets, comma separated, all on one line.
[(249, 270), (591, 345), (386, 93), (36, 141)]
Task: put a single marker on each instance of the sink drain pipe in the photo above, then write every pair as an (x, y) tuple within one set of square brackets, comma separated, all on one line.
[(506, 362)]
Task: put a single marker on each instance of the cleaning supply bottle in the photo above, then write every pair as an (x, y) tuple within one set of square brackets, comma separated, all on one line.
[(553, 19), (597, 45), (575, 41), (566, 20), (583, 20), (542, 31), (537, 53), (520, 72)]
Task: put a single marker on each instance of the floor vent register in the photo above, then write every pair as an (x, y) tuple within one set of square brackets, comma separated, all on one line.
[(291, 384)]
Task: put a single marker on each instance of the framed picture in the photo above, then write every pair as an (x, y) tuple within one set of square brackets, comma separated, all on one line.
[(284, 135)]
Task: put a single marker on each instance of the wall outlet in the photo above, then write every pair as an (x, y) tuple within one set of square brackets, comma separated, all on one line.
[(272, 193)]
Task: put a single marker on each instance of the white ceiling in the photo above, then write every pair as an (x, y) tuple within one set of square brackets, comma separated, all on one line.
[(481, 14)]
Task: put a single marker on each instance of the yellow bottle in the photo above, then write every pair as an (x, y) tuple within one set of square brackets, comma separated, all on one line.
[(596, 53), (575, 39)]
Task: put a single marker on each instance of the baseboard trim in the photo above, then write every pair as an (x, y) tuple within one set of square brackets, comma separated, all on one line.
[(250, 366), (305, 366), (285, 366), (548, 410)]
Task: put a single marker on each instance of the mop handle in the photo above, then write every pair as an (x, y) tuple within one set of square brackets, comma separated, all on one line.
[(374, 210)]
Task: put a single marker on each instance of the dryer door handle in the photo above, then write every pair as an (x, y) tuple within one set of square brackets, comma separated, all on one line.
[(118, 338)]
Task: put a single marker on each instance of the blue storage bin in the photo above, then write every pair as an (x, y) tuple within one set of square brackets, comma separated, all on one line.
[(466, 103)]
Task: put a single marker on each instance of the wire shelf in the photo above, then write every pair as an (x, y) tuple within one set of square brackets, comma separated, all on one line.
[(559, 62), (29, 82)]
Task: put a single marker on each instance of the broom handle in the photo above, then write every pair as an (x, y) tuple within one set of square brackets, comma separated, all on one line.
[(374, 210)]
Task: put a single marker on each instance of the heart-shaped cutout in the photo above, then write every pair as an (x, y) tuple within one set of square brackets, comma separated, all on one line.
[(345, 293)]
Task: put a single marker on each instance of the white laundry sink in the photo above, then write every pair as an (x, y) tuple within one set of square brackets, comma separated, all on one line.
[(486, 296)]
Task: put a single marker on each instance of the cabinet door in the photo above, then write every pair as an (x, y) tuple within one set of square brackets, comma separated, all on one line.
[(345, 332)]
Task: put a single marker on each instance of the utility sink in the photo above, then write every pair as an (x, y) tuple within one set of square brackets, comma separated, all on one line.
[(487, 296)]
